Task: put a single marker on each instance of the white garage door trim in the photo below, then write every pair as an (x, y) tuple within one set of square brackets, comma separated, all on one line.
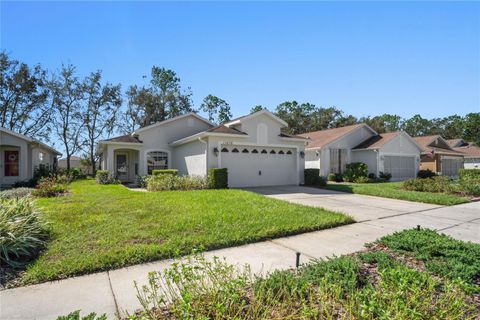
[(278, 166), (404, 167)]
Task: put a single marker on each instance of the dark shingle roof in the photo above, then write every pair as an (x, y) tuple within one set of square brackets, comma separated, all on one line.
[(125, 138)]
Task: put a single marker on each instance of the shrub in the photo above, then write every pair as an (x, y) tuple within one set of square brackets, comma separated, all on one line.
[(424, 174), (165, 171), (469, 181), (16, 193), (470, 186), (372, 176), (22, 232), (76, 174), (217, 178), (50, 187), (469, 173), (105, 177), (141, 181), (312, 178), (42, 171), (435, 184), (386, 176), (167, 182), (355, 170), (361, 180), (337, 177)]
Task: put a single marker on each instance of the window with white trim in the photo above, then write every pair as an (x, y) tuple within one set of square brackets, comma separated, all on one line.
[(156, 160)]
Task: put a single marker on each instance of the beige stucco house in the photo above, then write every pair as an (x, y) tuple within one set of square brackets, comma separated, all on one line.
[(20, 155), (331, 150), (252, 148)]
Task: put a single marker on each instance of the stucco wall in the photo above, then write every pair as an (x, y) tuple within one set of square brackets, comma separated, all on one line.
[(369, 157), (191, 158), (159, 137), (312, 161)]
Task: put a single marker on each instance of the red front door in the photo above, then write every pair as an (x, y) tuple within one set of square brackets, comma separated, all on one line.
[(12, 163)]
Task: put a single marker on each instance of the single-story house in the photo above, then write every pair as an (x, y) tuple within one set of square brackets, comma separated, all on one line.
[(75, 162), (20, 155), (471, 152), (252, 148), (331, 150), (438, 156)]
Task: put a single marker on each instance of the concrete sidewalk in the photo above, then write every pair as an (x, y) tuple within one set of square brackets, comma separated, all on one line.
[(113, 292)]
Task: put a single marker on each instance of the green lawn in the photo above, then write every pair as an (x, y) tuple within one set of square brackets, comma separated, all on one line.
[(99, 227), (393, 190)]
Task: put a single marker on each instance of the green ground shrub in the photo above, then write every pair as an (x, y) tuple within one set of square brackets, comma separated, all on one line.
[(22, 232), (76, 316), (434, 184), (158, 172), (338, 288), (355, 170), (105, 177), (442, 254), (312, 178), (469, 173), (469, 181), (217, 178), (166, 182)]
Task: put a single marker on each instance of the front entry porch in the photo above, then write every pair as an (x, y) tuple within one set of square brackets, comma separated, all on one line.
[(122, 162)]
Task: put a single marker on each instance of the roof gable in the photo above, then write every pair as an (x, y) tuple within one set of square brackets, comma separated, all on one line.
[(435, 141), (381, 140), (323, 138), (254, 115), (191, 114), (30, 140)]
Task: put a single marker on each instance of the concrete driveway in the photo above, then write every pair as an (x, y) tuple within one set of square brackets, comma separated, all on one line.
[(360, 207)]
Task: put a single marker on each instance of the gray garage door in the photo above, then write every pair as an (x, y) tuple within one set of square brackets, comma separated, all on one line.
[(401, 167), (450, 165)]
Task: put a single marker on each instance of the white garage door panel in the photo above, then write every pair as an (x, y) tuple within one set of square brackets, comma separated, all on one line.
[(257, 169), (401, 167)]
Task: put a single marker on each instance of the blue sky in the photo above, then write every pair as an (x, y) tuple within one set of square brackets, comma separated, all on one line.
[(366, 58)]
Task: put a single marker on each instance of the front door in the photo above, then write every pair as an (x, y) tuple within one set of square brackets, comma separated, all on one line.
[(122, 167)]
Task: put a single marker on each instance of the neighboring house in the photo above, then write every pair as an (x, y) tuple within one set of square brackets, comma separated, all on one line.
[(471, 152), (20, 155), (75, 162), (252, 148), (439, 157), (332, 149)]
